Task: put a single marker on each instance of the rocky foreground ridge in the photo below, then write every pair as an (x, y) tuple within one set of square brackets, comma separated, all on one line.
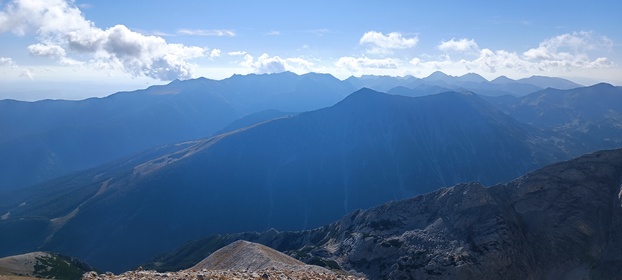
[(238, 260), (563, 221)]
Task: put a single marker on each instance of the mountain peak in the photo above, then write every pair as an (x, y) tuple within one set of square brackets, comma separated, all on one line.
[(437, 76), (552, 82), (244, 255), (472, 77), (502, 80)]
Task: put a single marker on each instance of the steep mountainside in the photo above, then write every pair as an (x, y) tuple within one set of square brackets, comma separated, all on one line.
[(45, 139), (559, 222), (592, 114), (291, 173)]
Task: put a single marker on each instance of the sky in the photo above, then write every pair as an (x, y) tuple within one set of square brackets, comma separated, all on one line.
[(66, 49)]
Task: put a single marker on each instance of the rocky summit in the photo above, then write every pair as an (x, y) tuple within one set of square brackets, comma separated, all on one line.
[(244, 255), (238, 260)]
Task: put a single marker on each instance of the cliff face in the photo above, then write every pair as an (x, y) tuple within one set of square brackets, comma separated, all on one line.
[(560, 222)]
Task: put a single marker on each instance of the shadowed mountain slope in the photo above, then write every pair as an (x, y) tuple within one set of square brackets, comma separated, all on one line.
[(291, 173), (45, 139), (592, 115), (559, 222)]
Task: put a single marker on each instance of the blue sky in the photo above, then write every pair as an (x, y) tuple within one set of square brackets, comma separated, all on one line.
[(78, 49)]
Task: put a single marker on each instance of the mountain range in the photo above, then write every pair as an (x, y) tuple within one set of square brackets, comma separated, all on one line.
[(112, 177), (290, 173), (589, 114), (558, 222), (49, 138)]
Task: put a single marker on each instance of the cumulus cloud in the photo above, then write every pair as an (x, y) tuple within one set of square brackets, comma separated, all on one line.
[(568, 51), (462, 45), (265, 64), (46, 50), (63, 31), (207, 32), (7, 61), (563, 53), (561, 46), (215, 53), (386, 43)]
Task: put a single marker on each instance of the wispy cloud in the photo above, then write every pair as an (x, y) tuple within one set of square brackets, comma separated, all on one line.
[(62, 32), (27, 73), (236, 53), (207, 32), (160, 33), (357, 64), (318, 32), (273, 33)]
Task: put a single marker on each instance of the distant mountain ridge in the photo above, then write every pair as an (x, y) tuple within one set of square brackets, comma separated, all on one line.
[(291, 173), (591, 114), (46, 139)]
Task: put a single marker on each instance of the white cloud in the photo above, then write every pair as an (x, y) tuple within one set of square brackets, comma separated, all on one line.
[(266, 64), (319, 32), (357, 64), (27, 73), (63, 31), (273, 33), (7, 61), (47, 50), (385, 43), (561, 54), (567, 46), (207, 32), (237, 53), (215, 53), (569, 51), (462, 45)]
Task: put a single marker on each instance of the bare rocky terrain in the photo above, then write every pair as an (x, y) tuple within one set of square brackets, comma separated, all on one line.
[(238, 260)]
